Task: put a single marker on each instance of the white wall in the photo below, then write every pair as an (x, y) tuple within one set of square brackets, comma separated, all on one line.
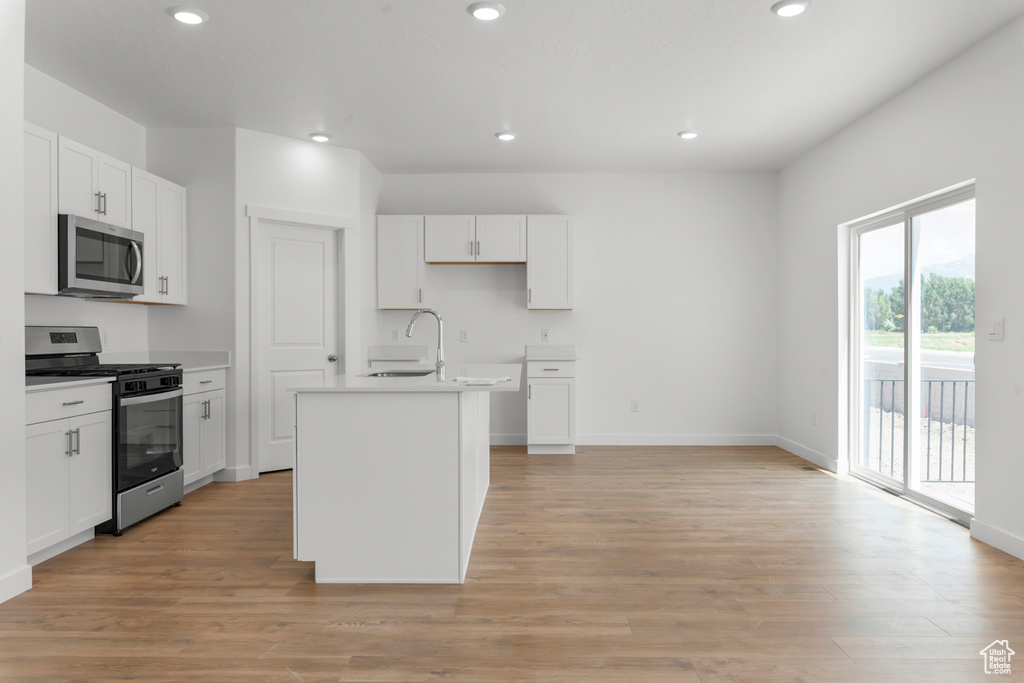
[(962, 122), (65, 111), (15, 573), (296, 175), (675, 299)]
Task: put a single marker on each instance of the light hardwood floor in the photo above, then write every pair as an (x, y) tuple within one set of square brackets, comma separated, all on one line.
[(617, 564)]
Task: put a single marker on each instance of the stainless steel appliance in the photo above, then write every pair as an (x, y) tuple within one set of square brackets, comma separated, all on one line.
[(96, 260), (147, 419)]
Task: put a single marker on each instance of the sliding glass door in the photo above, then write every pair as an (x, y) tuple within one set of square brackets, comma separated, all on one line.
[(913, 352)]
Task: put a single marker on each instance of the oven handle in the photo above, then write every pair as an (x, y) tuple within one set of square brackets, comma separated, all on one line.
[(151, 398)]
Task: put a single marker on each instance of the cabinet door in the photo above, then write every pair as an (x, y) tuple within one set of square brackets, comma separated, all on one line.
[(90, 472), (551, 410), (171, 221), (213, 433), (449, 239), (191, 441), (144, 220), (78, 169), (549, 262), (115, 184), (46, 479), (400, 268), (40, 210), (501, 239)]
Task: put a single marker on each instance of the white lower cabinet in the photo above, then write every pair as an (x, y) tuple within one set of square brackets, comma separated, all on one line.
[(68, 477), (203, 439), (551, 400)]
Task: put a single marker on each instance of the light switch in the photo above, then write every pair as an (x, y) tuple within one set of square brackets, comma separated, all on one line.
[(995, 330)]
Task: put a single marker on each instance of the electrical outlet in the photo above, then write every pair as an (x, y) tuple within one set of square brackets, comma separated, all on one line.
[(545, 335), (634, 405), (394, 335), (463, 336)]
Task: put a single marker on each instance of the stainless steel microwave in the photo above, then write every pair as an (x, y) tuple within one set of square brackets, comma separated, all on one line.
[(97, 260)]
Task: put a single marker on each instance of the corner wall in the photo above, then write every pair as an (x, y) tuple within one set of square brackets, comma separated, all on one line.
[(15, 573), (675, 299), (959, 123)]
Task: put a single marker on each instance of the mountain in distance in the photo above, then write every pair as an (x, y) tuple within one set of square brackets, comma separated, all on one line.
[(961, 268)]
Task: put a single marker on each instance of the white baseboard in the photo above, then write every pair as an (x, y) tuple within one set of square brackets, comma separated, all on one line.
[(15, 582), (234, 474), (676, 439), (819, 459), (998, 538)]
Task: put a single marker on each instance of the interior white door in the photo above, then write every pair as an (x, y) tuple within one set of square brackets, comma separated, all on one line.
[(297, 329)]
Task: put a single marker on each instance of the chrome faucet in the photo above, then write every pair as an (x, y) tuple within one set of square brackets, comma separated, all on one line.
[(440, 337)]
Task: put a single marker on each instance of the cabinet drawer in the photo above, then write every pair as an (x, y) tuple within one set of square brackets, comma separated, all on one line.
[(207, 380), (43, 406), (550, 368)]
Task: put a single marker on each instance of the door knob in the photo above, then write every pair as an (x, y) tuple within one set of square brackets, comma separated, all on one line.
[(332, 358)]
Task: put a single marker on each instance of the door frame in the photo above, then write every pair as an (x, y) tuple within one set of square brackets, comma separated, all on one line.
[(905, 214), (348, 299)]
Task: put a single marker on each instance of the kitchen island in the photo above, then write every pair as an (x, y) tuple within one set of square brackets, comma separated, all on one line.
[(391, 474)]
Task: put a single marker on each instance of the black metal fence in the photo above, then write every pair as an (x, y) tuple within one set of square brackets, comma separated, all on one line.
[(947, 424)]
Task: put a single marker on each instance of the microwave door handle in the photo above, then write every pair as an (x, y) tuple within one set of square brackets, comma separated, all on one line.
[(151, 398), (138, 262)]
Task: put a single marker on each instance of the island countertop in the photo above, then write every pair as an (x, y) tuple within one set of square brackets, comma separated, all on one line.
[(455, 373)]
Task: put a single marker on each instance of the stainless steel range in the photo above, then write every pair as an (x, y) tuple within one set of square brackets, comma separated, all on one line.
[(147, 412)]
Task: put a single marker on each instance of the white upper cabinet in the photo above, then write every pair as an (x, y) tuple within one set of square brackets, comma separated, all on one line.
[(158, 211), (549, 269), (93, 185), (479, 239), (400, 268), (449, 239), (40, 210), (501, 239)]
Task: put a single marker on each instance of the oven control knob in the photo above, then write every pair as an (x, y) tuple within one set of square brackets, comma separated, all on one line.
[(332, 358)]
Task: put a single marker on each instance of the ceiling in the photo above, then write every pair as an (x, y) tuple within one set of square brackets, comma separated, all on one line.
[(588, 85)]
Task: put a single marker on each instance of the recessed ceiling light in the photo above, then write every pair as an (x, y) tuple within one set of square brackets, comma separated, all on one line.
[(319, 137), (687, 134), (790, 8), (486, 11), (188, 15), (505, 136)]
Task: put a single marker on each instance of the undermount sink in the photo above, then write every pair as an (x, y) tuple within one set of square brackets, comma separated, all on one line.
[(401, 373)]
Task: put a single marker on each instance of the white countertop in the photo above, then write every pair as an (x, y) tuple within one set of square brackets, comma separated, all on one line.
[(427, 383), (44, 383)]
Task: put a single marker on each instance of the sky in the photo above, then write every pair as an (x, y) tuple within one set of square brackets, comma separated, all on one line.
[(946, 235)]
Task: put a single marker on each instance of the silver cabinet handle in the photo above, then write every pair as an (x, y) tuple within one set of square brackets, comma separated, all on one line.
[(206, 381), (472, 251), (421, 295), (529, 296), (478, 248), (550, 369), (73, 403), (332, 358), (68, 451), (78, 442), (529, 391), (206, 410), (99, 202)]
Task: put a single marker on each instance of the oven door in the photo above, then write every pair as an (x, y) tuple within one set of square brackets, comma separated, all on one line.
[(149, 432)]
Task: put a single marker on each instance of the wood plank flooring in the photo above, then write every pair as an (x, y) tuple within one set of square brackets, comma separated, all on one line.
[(617, 564)]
